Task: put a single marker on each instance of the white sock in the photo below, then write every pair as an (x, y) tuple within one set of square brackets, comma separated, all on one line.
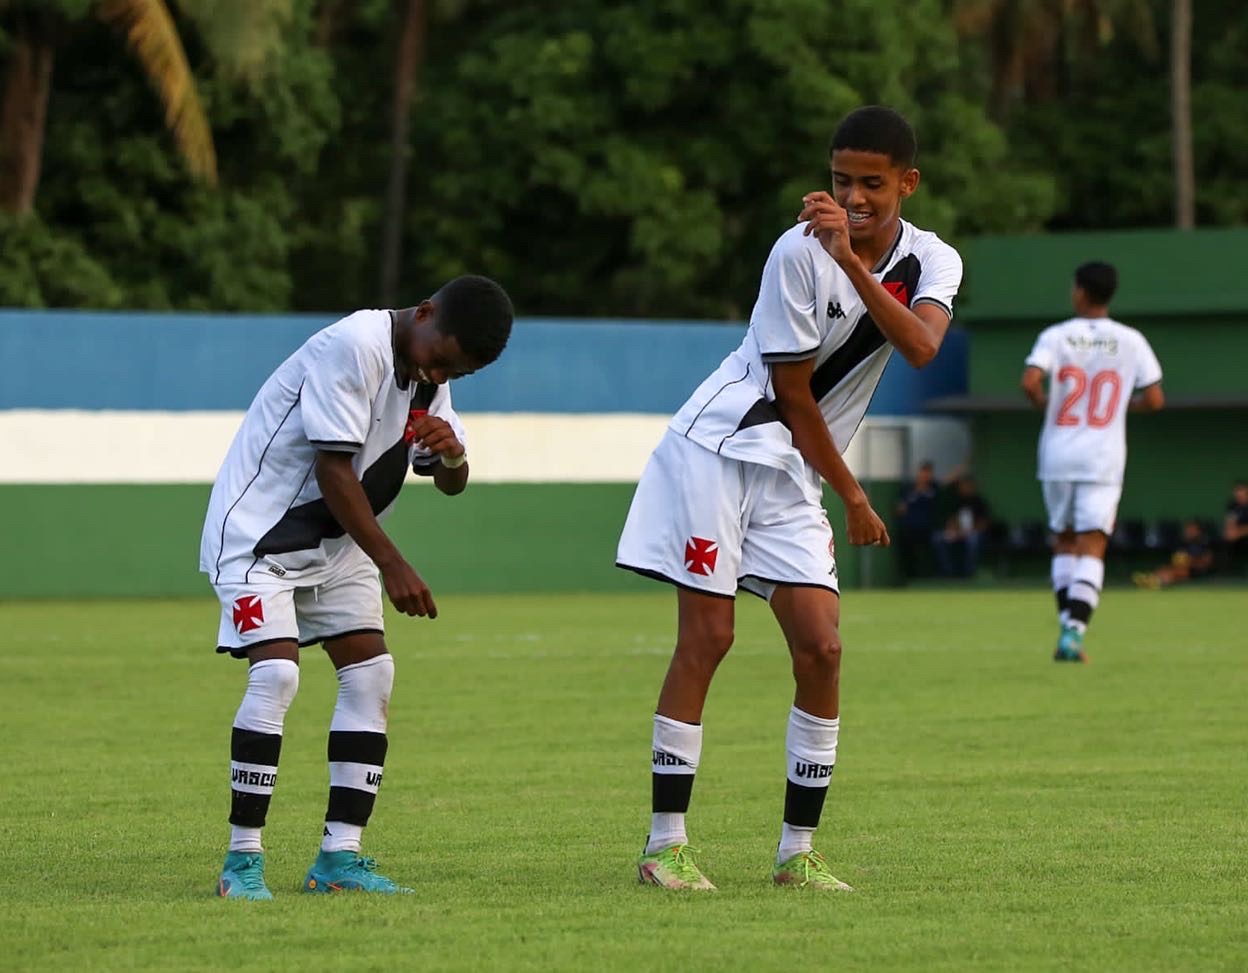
[(1085, 590), (357, 750), (810, 749), (1063, 570), (340, 836), (245, 839), (794, 841), (676, 750)]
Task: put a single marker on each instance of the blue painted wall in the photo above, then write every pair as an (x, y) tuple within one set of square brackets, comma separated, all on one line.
[(95, 360)]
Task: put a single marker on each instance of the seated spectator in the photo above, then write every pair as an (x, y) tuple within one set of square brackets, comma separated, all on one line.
[(916, 519), (1235, 526), (1193, 559), (963, 530)]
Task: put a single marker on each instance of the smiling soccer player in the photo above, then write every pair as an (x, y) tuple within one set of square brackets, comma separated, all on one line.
[(731, 497)]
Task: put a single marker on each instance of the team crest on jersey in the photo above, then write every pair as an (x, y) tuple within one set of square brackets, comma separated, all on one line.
[(899, 290), (248, 613), (701, 555), (413, 416)]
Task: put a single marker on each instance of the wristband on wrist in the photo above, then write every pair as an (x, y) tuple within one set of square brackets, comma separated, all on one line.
[(455, 462)]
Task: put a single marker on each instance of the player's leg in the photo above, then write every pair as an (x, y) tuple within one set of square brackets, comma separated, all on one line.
[(1095, 510), (788, 557), (258, 625), (704, 635), (345, 614), (1063, 572), (684, 527), (809, 618)]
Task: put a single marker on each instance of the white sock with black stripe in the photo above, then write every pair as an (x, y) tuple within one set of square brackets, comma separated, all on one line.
[(1085, 590), (357, 750), (256, 745)]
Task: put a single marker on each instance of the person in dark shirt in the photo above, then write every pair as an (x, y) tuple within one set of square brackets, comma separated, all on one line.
[(963, 530), (916, 519), (1235, 526), (1192, 559)]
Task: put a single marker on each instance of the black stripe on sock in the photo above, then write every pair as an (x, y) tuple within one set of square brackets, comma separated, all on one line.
[(350, 806), (357, 747), (803, 805), (251, 747), (1080, 611), (670, 793), (1063, 599)]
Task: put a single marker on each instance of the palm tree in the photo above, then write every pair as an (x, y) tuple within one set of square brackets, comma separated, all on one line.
[(1181, 113), (152, 36), (1028, 39)]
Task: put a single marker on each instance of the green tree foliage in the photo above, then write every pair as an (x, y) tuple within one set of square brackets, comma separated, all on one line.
[(624, 158)]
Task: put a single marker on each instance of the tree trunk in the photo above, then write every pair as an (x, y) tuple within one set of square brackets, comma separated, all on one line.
[(411, 55), (23, 114), (1181, 113)]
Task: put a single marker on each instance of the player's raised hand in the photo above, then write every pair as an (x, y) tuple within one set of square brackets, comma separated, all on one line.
[(407, 592), (865, 525), (825, 218), (437, 436)]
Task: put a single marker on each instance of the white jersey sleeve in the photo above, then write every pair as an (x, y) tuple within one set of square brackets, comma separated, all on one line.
[(786, 322), (1044, 352), (422, 459), (338, 391), (1147, 367), (940, 277)]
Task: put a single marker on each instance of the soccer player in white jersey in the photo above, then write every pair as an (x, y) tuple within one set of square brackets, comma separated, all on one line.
[(1096, 368), (293, 546), (732, 498)]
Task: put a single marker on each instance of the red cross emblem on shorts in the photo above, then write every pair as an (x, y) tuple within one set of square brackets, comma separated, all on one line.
[(414, 416), (700, 555), (248, 613), (899, 290)]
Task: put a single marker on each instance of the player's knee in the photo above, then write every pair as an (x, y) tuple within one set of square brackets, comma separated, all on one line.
[(275, 679), (818, 652), (706, 644)]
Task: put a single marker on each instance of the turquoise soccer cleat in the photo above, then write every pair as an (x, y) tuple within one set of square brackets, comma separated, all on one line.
[(345, 871), (242, 877), (1070, 646)]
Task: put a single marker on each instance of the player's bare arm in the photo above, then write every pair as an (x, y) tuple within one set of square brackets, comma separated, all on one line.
[(917, 333), (437, 436), (348, 503), (800, 412), (1150, 399), (1032, 384)]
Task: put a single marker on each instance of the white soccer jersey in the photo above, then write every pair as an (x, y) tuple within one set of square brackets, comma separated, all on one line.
[(1094, 366), (266, 516), (807, 308)]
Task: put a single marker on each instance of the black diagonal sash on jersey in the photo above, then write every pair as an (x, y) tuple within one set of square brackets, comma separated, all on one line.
[(863, 341), (305, 526)]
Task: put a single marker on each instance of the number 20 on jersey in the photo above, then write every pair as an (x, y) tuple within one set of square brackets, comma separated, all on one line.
[(1103, 392)]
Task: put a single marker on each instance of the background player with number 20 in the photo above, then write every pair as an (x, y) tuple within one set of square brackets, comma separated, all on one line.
[(1094, 366), (732, 495)]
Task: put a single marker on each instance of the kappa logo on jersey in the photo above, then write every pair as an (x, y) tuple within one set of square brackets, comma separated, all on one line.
[(834, 310), (701, 555), (899, 290), (414, 416), (248, 613)]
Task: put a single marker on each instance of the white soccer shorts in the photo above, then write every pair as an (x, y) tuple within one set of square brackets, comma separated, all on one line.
[(711, 524), (343, 600), (1081, 506)]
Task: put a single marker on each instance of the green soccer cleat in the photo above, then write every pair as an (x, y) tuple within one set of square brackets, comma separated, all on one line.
[(345, 871), (242, 877), (807, 870), (1069, 646), (672, 868)]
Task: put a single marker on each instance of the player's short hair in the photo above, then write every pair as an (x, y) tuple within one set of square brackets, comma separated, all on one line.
[(877, 128), (1098, 279), (477, 313)]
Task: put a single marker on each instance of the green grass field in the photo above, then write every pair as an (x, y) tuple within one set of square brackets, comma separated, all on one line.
[(994, 810)]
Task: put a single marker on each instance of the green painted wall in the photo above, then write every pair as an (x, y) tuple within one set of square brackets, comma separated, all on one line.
[(143, 540)]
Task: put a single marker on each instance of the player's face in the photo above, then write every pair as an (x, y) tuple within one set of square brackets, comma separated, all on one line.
[(439, 359), (870, 187)]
